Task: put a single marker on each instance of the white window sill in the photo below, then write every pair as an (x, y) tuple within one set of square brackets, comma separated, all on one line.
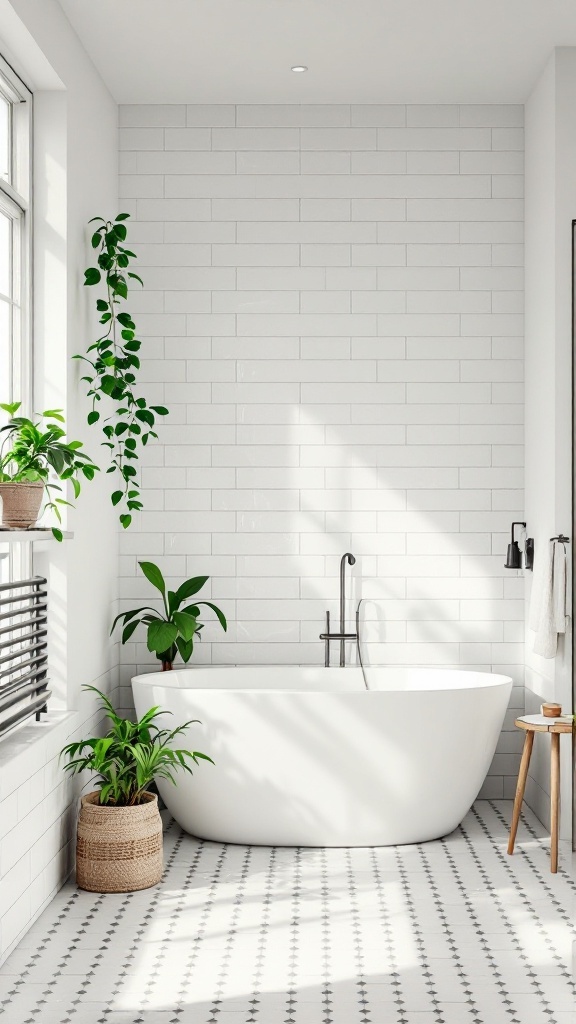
[(37, 533)]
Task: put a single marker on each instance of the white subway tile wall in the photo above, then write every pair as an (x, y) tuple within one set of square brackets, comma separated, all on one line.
[(333, 315)]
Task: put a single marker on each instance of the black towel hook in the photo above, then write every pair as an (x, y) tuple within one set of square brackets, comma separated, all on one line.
[(561, 539)]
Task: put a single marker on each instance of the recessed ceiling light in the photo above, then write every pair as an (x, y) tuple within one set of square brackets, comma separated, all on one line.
[(299, 68)]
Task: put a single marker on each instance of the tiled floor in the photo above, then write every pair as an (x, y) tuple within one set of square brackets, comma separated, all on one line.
[(452, 931)]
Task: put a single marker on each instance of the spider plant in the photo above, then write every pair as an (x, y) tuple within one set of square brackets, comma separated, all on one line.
[(172, 631), (130, 755)]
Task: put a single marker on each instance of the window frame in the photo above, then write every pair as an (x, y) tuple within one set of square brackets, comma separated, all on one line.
[(16, 203)]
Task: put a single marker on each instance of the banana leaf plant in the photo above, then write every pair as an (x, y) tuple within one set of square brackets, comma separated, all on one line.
[(172, 631)]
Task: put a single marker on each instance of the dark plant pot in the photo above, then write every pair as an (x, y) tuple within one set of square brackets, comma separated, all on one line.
[(20, 503)]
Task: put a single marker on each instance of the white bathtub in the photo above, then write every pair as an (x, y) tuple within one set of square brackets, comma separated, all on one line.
[(308, 757)]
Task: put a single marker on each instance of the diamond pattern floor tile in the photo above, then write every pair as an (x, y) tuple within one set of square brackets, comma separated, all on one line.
[(448, 932)]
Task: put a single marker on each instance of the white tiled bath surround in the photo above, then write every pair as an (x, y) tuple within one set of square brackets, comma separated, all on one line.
[(333, 314)]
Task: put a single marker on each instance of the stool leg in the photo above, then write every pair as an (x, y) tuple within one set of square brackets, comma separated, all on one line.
[(554, 799), (520, 787)]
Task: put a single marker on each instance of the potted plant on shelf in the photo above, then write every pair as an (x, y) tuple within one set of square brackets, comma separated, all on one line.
[(30, 454), (119, 837), (172, 631)]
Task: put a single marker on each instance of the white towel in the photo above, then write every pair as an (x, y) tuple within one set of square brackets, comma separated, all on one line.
[(548, 604)]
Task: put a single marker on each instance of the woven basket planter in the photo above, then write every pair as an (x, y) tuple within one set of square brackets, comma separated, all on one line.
[(21, 504), (118, 849)]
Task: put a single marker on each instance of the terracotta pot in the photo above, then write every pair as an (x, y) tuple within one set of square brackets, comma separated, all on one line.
[(21, 503), (118, 849)]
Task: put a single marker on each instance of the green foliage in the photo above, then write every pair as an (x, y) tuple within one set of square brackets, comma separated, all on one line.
[(32, 452), (173, 632), (113, 362), (130, 755)]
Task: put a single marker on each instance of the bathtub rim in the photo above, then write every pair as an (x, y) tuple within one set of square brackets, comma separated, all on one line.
[(482, 680)]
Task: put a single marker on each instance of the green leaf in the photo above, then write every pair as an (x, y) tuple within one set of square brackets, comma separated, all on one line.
[(122, 216), (10, 408), (136, 277), (93, 416), (161, 636), (57, 533), (120, 231), (155, 577), (92, 276), (96, 239), (186, 625), (161, 410), (219, 614), (185, 647), (129, 630), (190, 587), (117, 496), (125, 520), (101, 305)]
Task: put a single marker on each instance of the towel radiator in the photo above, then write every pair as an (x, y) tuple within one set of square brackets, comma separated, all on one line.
[(23, 652)]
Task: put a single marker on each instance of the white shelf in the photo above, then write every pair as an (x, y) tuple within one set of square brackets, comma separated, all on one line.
[(8, 536)]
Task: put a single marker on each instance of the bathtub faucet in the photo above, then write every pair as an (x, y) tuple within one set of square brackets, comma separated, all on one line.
[(342, 636)]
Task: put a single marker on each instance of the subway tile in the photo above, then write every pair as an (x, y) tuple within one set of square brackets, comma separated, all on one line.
[(433, 233), (255, 302), (501, 162), (149, 115), (414, 324), (324, 162), (141, 186), (435, 162), (141, 139), (255, 138), (186, 162), (325, 255), (210, 115), (327, 302), (495, 115), (448, 302), (274, 162), (279, 278), (378, 162), (308, 324), (255, 209), (508, 138), (338, 138), (255, 255), (378, 115), (465, 209), (504, 232), (378, 209), (438, 138), (432, 115), (378, 255), (296, 115), (429, 255), (448, 348)]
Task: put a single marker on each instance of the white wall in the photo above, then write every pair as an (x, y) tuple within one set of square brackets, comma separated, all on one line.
[(332, 308), (75, 178), (550, 207)]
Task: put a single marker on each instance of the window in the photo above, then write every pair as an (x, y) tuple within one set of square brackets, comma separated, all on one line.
[(15, 267)]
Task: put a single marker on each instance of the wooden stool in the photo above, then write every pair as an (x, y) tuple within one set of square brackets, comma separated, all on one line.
[(531, 725)]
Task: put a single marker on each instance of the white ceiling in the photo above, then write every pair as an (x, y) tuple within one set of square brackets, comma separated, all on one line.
[(359, 51)]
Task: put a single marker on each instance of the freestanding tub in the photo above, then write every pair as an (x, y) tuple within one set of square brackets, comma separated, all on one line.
[(309, 757)]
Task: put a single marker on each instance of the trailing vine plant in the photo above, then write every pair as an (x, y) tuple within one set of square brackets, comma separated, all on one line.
[(113, 360)]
